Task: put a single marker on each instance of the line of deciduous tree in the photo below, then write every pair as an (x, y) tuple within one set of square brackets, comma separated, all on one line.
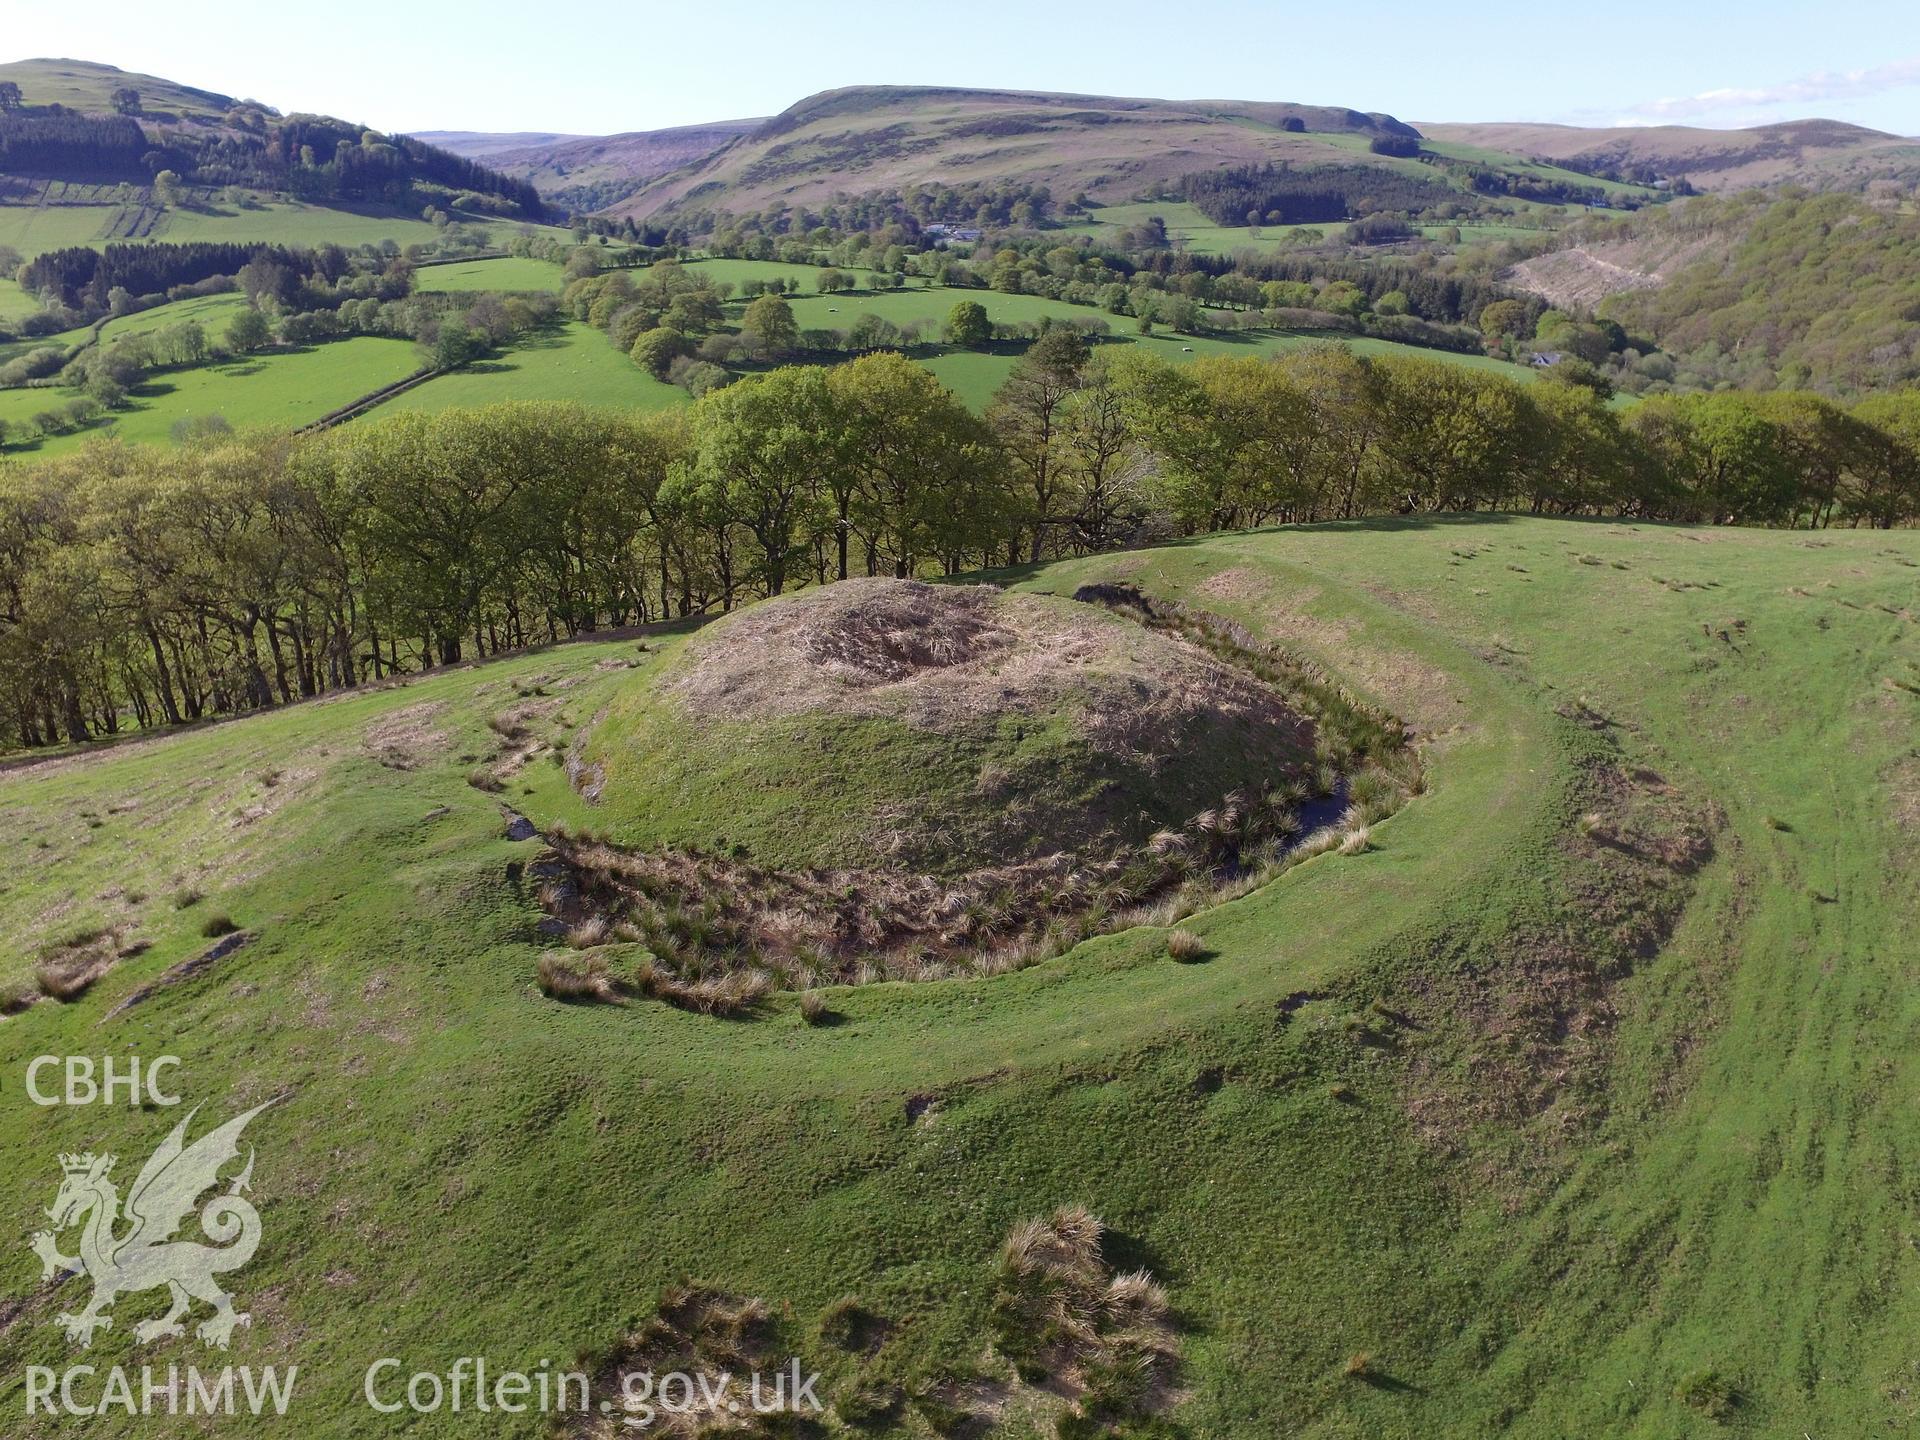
[(141, 586)]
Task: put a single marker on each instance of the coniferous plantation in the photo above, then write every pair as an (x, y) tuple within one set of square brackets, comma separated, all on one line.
[(954, 760)]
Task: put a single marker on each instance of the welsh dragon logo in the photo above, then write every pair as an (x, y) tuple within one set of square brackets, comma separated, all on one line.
[(146, 1256)]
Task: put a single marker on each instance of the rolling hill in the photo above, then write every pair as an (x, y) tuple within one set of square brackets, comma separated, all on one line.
[(69, 127), (88, 86), (476, 143), (592, 172), (1821, 290), (872, 137), (1824, 152)]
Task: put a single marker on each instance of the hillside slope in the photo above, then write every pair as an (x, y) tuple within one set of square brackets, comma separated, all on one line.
[(69, 128), (1821, 289), (1824, 152), (88, 86), (476, 144), (1476, 1131), (593, 172), (871, 137)]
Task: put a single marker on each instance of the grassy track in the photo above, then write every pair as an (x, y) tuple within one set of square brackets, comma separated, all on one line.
[(459, 1166)]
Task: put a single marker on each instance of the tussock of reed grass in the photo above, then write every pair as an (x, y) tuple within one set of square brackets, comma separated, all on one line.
[(1185, 946), (567, 977), (1059, 1311)]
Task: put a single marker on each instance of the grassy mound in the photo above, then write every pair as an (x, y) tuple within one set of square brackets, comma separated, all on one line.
[(941, 728)]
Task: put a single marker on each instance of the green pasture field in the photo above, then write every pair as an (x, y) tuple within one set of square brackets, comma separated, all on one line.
[(213, 312), (15, 303), (31, 229), (975, 376), (509, 273), (83, 85), (279, 388), (61, 340), (1189, 227), (574, 363), (1539, 169), (738, 272)]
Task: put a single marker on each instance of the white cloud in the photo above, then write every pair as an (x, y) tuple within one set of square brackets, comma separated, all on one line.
[(1811, 89)]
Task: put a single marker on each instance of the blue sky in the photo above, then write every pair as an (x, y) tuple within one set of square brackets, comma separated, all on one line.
[(594, 66)]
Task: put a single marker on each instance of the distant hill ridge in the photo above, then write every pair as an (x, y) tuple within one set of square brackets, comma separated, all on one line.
[(1815, 150), (867, 138), (591, 172), (79, 119)]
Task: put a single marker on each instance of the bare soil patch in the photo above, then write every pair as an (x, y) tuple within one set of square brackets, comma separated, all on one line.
[(945, 656), (1903, 795), (405, 739), (1540, 1020), (1577, 278)]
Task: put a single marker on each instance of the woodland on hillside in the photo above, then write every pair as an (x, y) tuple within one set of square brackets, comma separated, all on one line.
[(239, 572)]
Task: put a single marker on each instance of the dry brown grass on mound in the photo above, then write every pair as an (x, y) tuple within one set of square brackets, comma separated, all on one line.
[(1065, 1319), (704, 916), (703, 1334), (71, 966), (942, 656), (566, 977), (405, 739)]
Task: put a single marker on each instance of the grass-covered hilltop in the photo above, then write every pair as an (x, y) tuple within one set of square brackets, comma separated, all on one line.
[(1049, 725), (1478, 1123)]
